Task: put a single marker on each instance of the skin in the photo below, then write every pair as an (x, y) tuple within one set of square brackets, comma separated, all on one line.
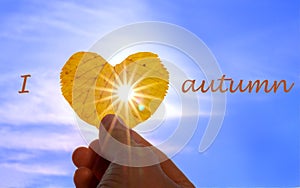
[(95, 171)]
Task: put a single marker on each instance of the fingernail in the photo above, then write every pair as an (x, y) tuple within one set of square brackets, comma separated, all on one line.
[(112, 121), (115, 127)]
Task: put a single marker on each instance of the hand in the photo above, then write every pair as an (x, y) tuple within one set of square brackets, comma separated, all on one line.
[(95, 171)]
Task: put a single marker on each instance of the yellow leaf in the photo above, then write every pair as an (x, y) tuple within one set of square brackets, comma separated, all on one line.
[(132, 90), (78, 79)]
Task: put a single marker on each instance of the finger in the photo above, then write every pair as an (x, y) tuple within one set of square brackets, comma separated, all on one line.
[(119, 147), (171, 170), (83, 157), (87, 157), (85, 178), (100, 164), (116, 128)]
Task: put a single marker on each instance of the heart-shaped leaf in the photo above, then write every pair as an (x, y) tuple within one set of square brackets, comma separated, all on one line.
[(132, 90)]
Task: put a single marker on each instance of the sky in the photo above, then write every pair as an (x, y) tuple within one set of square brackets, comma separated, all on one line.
[(258, 144)]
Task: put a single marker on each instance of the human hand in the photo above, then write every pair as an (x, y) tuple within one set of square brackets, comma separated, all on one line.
[(95, 171)]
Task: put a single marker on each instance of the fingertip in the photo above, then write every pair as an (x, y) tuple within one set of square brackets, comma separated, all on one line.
[(108, 118), (107, 121), (85, 178), (112, 121), (83, 157)]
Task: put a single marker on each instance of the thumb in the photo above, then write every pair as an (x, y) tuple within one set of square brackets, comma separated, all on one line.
[(118, 146), (125, 154), (115, 129)]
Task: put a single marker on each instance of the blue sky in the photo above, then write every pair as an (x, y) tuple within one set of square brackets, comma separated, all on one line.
[(258, 144)]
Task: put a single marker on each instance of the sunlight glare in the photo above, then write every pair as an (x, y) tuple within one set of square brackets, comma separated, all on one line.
[(125, 92)]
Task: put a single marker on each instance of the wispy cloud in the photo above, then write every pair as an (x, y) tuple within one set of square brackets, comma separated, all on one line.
[(84, 19), (35, 168), (41, 169), (41, 138), (42, 121), (43, 104)]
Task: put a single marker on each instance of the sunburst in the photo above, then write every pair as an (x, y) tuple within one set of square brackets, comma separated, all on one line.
[(126, 96)]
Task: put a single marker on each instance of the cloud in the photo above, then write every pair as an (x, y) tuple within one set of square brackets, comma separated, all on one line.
[(10, 177), (43, 104), (40, 139), (42, 121), (44, 169), (86, 19), (50, 22), (20, 156), (35, 168)]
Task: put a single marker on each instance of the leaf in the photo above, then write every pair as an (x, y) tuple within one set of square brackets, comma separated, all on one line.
[(78, 79), (92, 87)]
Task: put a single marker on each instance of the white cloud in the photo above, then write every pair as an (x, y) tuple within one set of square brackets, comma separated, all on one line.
[(52, 21), (10, 177), (41, 139), (85, 19), (41, 169), (20, 156), (43, 104), (36, 174)]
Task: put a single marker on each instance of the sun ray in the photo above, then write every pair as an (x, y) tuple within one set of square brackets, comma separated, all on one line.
[(136, 99), (140, 88), (127, 112), (125, 77), (119, 106), (146, 96), (141, 78), (118, 81), (104, 112), (107, 79), (134, 109), (108, 136), (114, 102), (105, 98), (104, 89), (130, 82)]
